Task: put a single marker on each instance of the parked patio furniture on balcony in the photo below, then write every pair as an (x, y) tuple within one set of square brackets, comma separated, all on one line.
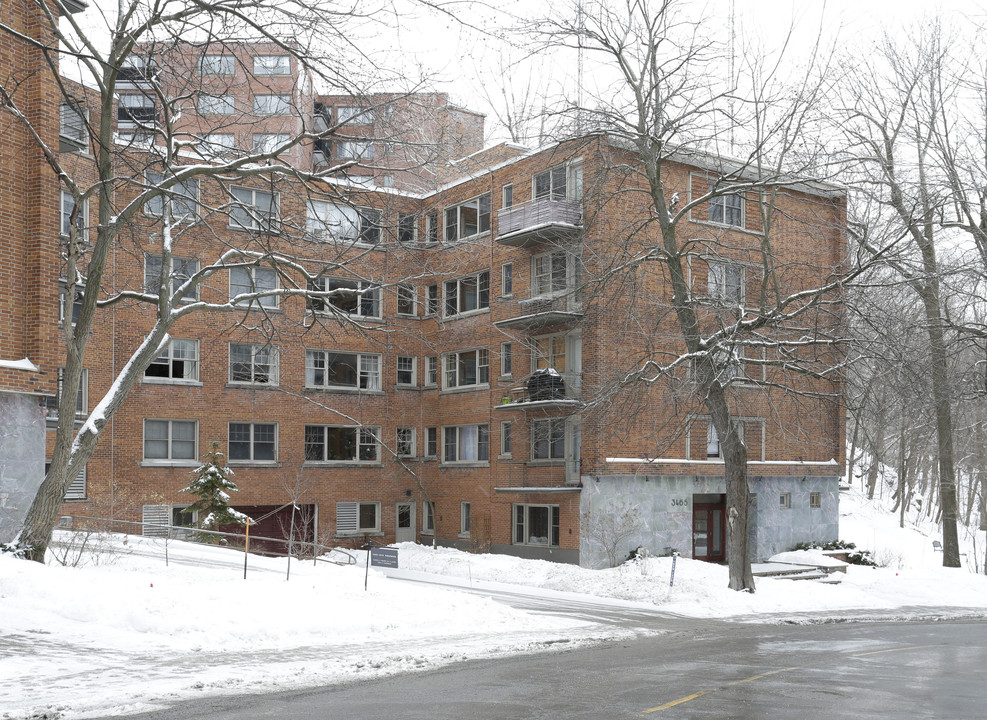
[(539, 221)]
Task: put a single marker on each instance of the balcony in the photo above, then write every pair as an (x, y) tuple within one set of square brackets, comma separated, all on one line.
[(536, 394), (539, 221), (542, 312)]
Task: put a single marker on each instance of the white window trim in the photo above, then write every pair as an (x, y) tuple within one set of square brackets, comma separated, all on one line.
[(170, 460), (506, 354), (480, 307), (428, 517), (157, 380), (703, 219), (354, 507), (756, 453), (267, 302), (257, 218), (251, 460), (214, 65), (465, 519), (264, 69), (82, 217), (785, 501), (432, 364), (480, 231), (506, 440), (550, 291), (274, 376), (479, 462), (548, 423), (177, 280), (413, 446), (209, 104), (272, 104), (414, 371), (527, 524), (459, 386), (410, 289), (503, 279), (364, 289)]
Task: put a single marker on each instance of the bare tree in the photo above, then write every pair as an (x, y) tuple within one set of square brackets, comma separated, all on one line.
[(663, 109), (143, 72)]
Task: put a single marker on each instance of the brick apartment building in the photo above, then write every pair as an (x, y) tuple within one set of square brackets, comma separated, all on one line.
[(464, 384)]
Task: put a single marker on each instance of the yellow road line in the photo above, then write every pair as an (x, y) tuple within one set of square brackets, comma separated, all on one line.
[(687, 698)]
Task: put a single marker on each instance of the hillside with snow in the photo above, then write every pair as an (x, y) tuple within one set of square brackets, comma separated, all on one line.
[(142, 633)]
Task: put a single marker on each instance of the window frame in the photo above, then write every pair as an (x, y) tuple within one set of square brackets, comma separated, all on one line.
[(364, 436), (209, 66), (431, 371), (65, 218), (69, 141), (718, 282), (456, 222), (271, 69), (507, 279), (456, 294), (728, 210), (785, 501), (408, 297), (428, 517), (358, 528), (506, 436), (171, 360), (465, 519), (553, 435), (367, 378), (53, 404), (411, 372), (815, 500), (182, 270), (271, 104), (252, 443), (366, 293), (506, 359), (258, 219), (177, 196), (171, 458), (545, 284), (273, 364), (557, 187), (407, 230), (266, 302), (453, 366), (521, 531), (432, 228), (507, 195), (355, 149), (452, 452), (209, 104), (406, 446), (431, 442)]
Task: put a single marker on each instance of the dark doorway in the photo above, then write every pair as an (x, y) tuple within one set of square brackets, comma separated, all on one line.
[(709, 528)]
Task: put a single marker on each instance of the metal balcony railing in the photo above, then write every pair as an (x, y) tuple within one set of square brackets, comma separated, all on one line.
[(539, 221)]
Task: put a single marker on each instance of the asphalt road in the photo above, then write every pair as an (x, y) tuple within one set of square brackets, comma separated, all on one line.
[(695, 670)]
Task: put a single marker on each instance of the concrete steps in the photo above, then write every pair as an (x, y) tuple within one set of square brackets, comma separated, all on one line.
[(791, 571)]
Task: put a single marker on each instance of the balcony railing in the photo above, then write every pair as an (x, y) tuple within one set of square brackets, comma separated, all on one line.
[(523, 397), (543, 312), (539, 221)]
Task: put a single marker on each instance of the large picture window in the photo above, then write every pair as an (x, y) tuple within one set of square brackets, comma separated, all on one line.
[(336, 370), (336, 443)]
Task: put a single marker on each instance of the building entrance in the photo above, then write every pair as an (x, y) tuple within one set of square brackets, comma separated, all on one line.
[(709, 528)]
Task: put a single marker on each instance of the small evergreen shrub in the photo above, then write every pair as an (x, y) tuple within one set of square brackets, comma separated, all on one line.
[(853, 556)]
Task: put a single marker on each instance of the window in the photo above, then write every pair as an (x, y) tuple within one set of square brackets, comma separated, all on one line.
[(328, 221), (506, 357), (81, 400), (272, 65), (136, 68), (468, 219), (548, 439), (337, 370), (252, 209), (406, 300), (345, 114), (353, 297), (170, 440), (354, 150), (536, 525), (464, 369), (549, 351), (725, 282), (432, 370), (253, 364), (253, 442), (73, 134), (507, 279), (432, 304), (467, 294), (550, 184), (465, 443), (179, 361), (507, 196), (182, 269), (407, 225), (335, 443), (548, 274), (137, 117), (464, 518), (738, 364), (369, 227), (217, 105), (215, 144), (269, 142), (785, 501), (815, 500), (428, 517), (405, 446), (431, 442), (386, 180), (432, 228), (250, 280), (272, 104), (505, 438), (66, 220), (712, 441), (355, 518), (727, 210), (76, 303), (183, 197), (217, 65), (407, 370), (77, 488)]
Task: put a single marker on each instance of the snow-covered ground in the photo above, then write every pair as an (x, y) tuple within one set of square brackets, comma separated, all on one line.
[(126, 633)]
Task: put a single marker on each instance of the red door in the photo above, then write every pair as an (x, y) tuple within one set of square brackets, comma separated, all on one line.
[(709, 532)]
